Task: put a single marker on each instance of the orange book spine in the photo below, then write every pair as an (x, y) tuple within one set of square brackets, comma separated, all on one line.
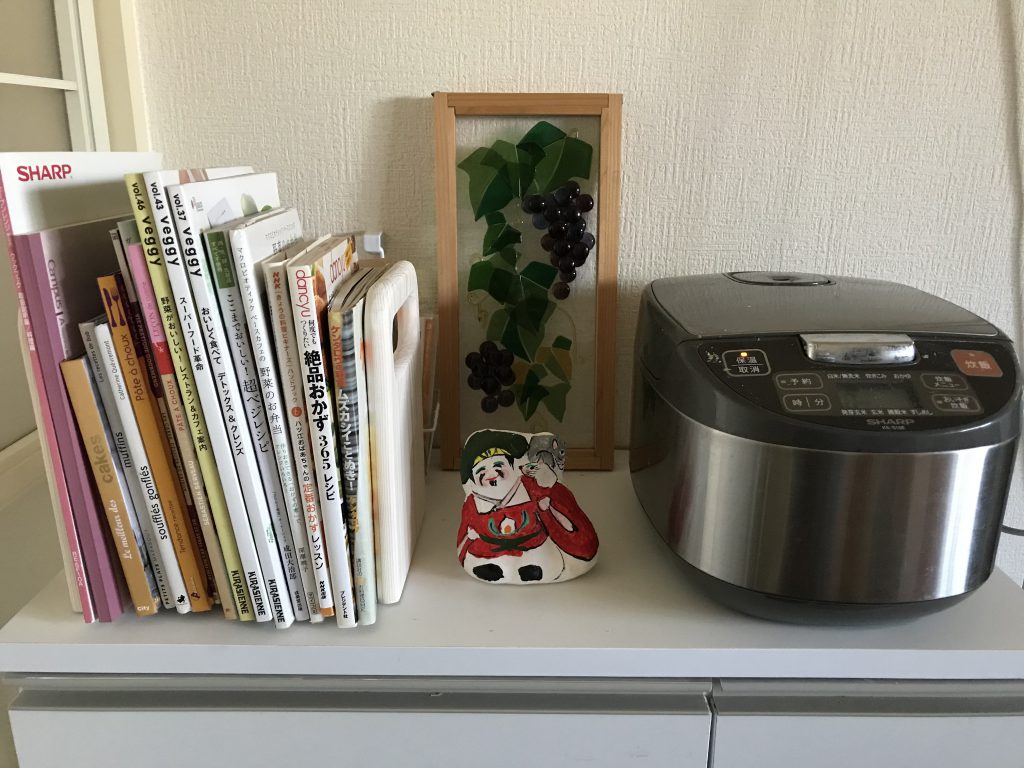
[(101, 462), (156, 444)]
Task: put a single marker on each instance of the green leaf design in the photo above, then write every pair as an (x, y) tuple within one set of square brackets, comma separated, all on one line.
[(544, 159), (505, 287), (542, 135), (502, 157), (540, 273), (550, 360), (531, 151), (499, 236), (531, 312), (506, 259), (480, 276), (532, 392), (490, 189), (565, 159), (500, 280), (514, 163), (531, 340), (496, 325), (527, 168), (534, 308), (511, 340), (523, 342), (564, 361), (555, 400)]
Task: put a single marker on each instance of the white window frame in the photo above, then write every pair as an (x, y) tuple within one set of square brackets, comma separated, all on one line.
[(81, 79)]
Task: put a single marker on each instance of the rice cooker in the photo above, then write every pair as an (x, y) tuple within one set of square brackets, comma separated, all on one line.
[(822, 448)]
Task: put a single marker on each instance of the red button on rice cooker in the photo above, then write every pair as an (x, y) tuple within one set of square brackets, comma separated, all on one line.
[(975, 363)]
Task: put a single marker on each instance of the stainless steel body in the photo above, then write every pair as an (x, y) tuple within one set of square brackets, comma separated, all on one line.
[(823, 448), (834, 526)]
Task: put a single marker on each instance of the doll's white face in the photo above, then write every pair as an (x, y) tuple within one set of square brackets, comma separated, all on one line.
[(494, 477)]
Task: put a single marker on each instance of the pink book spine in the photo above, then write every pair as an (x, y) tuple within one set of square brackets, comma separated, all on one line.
[(96, 546), (150, 311), (46, 426)]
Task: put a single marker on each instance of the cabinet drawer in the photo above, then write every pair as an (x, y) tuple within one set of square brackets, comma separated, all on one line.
[(846, 741), (269, 729), (847, 725)]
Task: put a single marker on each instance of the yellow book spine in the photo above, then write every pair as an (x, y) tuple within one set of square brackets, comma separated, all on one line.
[(101, 461), (187, 390)]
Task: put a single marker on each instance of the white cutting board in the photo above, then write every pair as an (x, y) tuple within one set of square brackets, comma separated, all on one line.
[(393, 360)]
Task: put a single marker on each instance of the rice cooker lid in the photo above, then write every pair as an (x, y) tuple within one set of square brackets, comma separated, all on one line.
[(770, 303), (690, 327)]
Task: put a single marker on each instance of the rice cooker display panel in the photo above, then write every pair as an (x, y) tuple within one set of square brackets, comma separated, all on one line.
[(948, 384)]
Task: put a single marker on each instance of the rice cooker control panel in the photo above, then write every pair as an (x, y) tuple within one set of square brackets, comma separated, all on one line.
[(946, 384)]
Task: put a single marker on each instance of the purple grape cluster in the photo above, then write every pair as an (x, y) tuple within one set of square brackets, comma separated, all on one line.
[(567, 240), (491, 371)]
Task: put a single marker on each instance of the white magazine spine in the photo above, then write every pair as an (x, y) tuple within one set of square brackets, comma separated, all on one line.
[(233, 315), (122, 487), (154, 510), (206, 389), (324, 445), (251, 287), (279, 301), (363, 546), (124, 468), (191, 266)]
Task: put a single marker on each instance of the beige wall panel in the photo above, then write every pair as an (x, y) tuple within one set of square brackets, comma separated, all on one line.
[(28, 38)]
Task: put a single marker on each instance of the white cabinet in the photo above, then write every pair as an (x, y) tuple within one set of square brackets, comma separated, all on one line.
[(609, 670), (850, 725), (507, 726), (109, 721), (855, 741)]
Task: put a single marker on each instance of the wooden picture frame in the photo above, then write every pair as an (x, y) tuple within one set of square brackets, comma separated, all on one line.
[(607, 108)]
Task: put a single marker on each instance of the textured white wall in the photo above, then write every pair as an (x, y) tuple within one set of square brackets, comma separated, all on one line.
[(869, 137)]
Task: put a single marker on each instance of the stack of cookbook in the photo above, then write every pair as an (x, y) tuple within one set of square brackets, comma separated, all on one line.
[(202, 393)]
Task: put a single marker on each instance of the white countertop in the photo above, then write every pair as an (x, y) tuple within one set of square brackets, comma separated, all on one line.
[(634, 615)]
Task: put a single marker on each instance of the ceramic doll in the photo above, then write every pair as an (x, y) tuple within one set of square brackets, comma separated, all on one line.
[(520, 524)]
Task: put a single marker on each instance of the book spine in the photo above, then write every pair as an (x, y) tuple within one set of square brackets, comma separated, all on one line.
[(190, 463), (111, 489), (153, 519), (148, 419), (168, 410), (74, 570), (159, 242), (71, 552), (321, 427), (192, 267), (136, 499), (250, 281), (294, 404), (91, 524), (346, 333), (233, 315)]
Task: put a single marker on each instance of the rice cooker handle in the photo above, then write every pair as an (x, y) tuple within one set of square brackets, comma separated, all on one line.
[(859, 348)]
